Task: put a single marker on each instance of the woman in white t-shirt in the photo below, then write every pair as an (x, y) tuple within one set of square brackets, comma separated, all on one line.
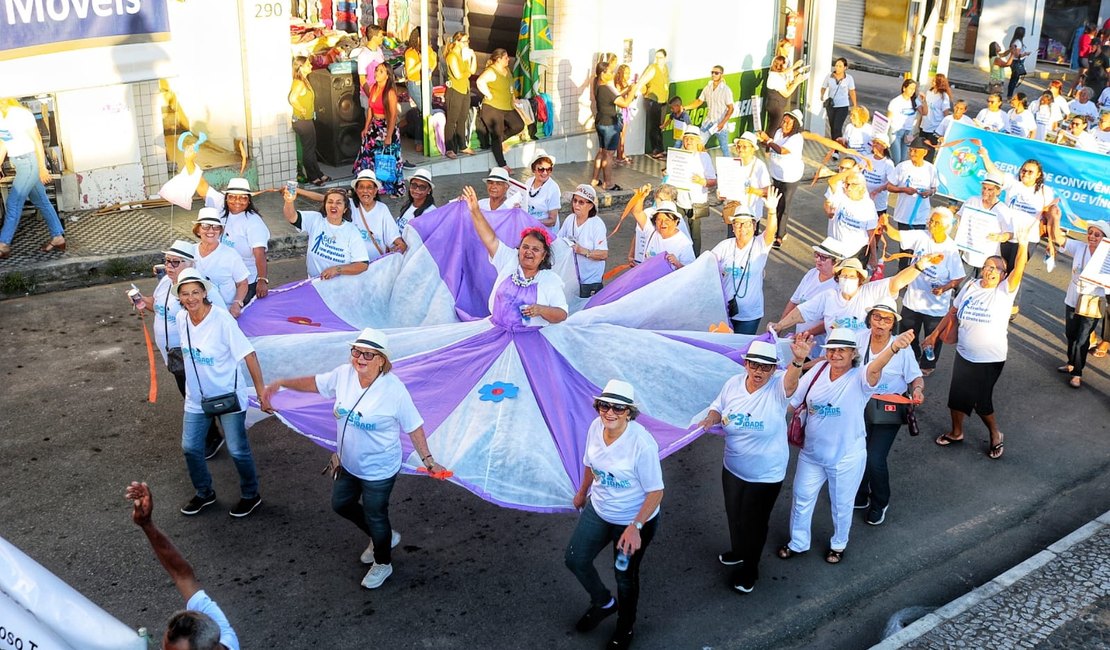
[(928, 297), (757, 178), (212, 347), (958, 116), (544, 199), (663, 234), (817, 280), (902, 376), (586, 233), (1047, 116), (787, 166), (526, 293), (742, 261), (419, 199), (939, 99), (981, 311), (619, 497), (1017, 61), (840, 90), (334, 244), (993, 118), (219, 263), (498, 196), (244, 230), (694, 202), (1077, 327), (857, 132), (1021, 121), (749, 409), (833, 394), (903, 112), (372, 409), (879, 174)]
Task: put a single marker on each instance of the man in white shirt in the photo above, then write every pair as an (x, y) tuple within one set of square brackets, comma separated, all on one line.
[(1102, 133), (719, 99)]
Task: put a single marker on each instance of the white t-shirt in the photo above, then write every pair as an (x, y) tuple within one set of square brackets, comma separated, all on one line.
[(1046, 118), (330, 245), (366, 63), (166, 310), (16, 129), (755, 175), (908, 209), (1087, 142), (838, 90), (1029, 204), (677, 244), (549, 290), (897, 374), (838, 311), (834, 424), (700, 165), (200, 602), (383, 228), (942, 129), (1062, 105), (993, 120), (755, 428), (858, 138), (1001, 212), (938, 103), (787, 167), (1080, 254), (409, 214), (919, 295), (592, 236), (1088, 110), (810, 286), (243, 231), (1102, 138), (217, 347), (512, 200), (223, 267), (1104, 99), (539, 203), (881, 172), (624, 472), (902, 114), (370, 439), (984, 316), (742, 271), (852, 220), (1021, 124)]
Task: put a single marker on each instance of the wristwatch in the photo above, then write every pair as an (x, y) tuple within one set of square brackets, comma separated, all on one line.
[(638, 524)]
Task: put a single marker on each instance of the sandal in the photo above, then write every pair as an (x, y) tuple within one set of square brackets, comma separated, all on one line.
[(996, 450), (834, 556), (1064, 368), (945, 441), (1075, 382), (451, 154), (1101, 350), (785, 552), (614, 188), (51, 247)]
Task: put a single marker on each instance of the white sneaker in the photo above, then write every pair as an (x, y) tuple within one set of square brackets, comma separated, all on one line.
[(377, 575), (367, 556)]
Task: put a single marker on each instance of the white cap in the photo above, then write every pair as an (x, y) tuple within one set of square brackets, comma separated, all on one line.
[(586, 192)]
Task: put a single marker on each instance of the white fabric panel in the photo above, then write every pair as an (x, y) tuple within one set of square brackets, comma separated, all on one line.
[(421, 297), (361, 299)]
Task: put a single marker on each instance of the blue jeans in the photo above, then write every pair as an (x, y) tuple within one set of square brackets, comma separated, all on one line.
[(194, 431), (372, 517), (592, 535), (876, 477), (898, 147), (746, 326), (28, 185)]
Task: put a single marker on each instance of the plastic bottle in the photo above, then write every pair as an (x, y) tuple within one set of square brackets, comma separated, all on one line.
[(622, 561), (930, 353)]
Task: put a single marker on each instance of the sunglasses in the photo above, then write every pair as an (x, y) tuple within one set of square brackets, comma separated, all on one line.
[(173, 263), (882, 319), (544, 170), (419, 187), (208, 226), (578, 201), (716, 73), (606, 406), (762, 367), (365, 354), (822, 258)]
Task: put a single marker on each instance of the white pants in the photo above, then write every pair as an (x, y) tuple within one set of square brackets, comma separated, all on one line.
[(843, 480)]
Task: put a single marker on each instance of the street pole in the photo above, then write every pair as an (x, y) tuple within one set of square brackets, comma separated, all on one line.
[(425, 79)]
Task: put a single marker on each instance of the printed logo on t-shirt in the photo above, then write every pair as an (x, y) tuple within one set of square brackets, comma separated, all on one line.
[(848, 219), (197, 356), (851, 322), (160, 310), (325, 246), (355, 420), (824, 410), (227, 241), (606, 479), (742, 421), (975, 310)]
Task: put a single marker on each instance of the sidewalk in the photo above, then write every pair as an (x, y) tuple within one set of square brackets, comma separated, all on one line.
[(1057, 599), (961, 75)]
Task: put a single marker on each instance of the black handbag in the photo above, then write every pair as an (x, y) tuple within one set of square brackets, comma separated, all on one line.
[(1018, 67), (880, 412), (218, 404)]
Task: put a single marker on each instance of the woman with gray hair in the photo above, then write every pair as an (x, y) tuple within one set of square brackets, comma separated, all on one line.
[(928, 296)]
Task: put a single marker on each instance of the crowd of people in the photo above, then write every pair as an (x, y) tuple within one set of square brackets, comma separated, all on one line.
[(858, 364)]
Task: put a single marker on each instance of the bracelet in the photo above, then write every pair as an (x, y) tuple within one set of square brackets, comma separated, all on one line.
[(266, 280), (796, 364), (919, 269)]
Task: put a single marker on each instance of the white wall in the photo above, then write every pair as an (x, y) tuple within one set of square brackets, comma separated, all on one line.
[(999, 20), (101, 144)]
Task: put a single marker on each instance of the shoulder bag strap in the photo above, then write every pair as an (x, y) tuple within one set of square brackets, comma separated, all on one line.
[(805, 398), (166, 321), (194, 361), (367, 226), (343, 431)]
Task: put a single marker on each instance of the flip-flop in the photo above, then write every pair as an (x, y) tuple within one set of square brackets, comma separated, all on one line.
[(948, 441), (834, 556), (785, 552), (1101, 350), (1075, 382), (996, 450)]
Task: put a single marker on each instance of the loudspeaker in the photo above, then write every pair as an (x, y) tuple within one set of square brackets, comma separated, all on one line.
[(339, 116)]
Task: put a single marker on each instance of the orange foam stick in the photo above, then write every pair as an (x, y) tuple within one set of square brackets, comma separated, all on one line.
[(609, 275), (721, 327), (443, 476), (152, 395)]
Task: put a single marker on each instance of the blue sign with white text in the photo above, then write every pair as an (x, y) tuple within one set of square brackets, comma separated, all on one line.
[(31, 27)]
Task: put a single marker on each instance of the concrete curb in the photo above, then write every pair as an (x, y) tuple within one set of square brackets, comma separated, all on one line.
[(960, 605), (961, 84)]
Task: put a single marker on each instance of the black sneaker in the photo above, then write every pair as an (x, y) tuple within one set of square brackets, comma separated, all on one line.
[(876, 516), (744, 588), (594, 616), (407, 165), (246, 506), (212, 447), (196, 504), (861, 504), (729, 559), (621, 639)]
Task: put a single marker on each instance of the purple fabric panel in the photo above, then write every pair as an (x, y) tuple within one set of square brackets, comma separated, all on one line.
[(669, 437), (510, 298), (736, 354), (631, 280), (564, 396), (270, 315), (440, 380), (309, 414), (460, 255)]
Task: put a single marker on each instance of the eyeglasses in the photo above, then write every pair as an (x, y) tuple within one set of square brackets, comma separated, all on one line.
[(762, 367), (606, 406), (365, 354), (882, 319), (208, 226), (172, 263), (822, 258), (544, 170), (419, 187), (577, 201)]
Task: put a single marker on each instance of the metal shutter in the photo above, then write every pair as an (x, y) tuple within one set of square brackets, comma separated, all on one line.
[(849, 22)]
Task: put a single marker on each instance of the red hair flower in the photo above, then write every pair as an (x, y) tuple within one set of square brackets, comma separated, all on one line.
[(538, 232)]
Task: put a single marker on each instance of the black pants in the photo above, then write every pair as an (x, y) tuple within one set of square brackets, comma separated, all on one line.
[(748, 508), (306, 131), (458, 113), (836, 120), (500, 125), (1015, 79), (214, 435), (654, 111), (876, 475), (1078, 330), (777, 105), (921, 325), (786, 190)]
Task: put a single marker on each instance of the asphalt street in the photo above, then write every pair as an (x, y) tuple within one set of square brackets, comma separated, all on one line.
[(76, 427)]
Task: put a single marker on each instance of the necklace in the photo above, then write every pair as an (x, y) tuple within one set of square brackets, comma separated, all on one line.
[(537, 192), (521, 281)]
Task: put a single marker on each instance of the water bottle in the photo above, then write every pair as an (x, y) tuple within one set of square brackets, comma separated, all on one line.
[(524, 317), (930, 353), (134, 295), (622, 561)]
